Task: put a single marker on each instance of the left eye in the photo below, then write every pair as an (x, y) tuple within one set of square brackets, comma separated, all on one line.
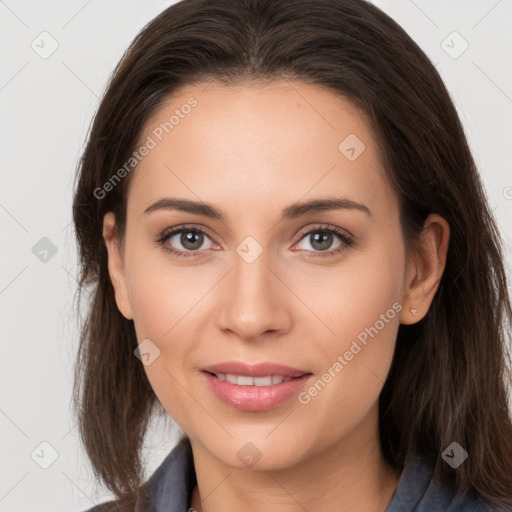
[(320, 240)]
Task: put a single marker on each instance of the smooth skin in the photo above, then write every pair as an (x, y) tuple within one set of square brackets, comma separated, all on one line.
[(251, 151)]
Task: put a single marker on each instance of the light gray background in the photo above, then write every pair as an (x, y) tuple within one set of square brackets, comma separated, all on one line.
[(46, 106)]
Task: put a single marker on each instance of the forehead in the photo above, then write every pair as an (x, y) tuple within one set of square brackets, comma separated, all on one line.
[(240, 144)]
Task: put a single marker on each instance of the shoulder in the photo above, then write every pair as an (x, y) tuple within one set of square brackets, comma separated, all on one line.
[(419, 490), (171, 483)]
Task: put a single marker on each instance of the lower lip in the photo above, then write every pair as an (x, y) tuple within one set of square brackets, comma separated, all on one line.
[(255, 398)]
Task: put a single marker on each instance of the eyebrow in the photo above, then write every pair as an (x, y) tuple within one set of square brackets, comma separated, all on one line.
[(290, 212)]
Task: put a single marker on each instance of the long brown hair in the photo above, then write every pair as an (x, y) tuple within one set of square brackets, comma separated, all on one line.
[(450, 375)]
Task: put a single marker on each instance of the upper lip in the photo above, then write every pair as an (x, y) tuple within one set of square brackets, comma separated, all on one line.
[(254, 370)]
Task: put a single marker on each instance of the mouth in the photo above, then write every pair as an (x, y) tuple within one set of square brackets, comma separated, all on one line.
[(255, 393)]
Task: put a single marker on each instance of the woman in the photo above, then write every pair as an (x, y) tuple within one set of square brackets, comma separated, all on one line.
[(291, 255)]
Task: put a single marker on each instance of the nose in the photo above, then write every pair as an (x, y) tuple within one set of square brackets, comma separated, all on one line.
[(254, 300)]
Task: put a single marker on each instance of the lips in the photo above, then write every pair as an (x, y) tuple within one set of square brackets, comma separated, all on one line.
[(256, 387)]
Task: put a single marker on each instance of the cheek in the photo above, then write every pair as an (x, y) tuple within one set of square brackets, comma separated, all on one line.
[(159, 293), (362, 309), (352, 297), (162, 306), (153, 302), (164, 303)]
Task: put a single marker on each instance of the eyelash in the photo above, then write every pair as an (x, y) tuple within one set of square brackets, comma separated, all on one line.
[(345, 239)]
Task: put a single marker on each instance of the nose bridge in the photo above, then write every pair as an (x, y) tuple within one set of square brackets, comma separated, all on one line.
[(253, 303), (251, 277), (251, 282)]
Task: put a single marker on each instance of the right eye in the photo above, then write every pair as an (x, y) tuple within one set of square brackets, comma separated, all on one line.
[(190, 238)]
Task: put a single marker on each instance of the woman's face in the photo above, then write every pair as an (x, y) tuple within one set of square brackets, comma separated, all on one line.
[(268, 282)]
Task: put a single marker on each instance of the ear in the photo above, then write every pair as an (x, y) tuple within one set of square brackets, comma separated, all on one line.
[(116, 265), (425, 269)]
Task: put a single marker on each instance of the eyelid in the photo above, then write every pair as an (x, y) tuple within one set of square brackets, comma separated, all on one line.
[(325, 227), (192, 227)]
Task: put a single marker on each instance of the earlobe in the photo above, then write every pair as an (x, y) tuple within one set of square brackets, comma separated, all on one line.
[(116, 265), (425, 269)]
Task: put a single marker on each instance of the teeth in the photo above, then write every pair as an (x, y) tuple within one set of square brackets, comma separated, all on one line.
[(277, 379), (232, 379), (244, 380)]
